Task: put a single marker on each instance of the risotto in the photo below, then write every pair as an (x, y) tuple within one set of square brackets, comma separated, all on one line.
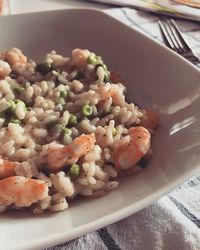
[(66, 130)]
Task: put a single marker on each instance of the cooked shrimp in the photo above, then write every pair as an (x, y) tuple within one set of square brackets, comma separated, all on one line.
[(22, 191), (6, 168), (15, 57), (57, 158), (150, 119), (4, 69), (128, 154), (80, 57), (112, 90)]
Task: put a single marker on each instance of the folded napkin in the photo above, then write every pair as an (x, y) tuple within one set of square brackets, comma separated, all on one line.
[(171, 223), (165, 6)]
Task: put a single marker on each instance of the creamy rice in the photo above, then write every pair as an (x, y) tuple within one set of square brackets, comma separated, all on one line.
[(37, 102)]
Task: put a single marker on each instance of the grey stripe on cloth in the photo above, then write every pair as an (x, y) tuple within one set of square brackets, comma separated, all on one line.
[(171, 223), (186, 212), (107, 239)]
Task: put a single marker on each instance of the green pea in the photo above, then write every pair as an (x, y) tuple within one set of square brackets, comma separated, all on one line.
[(72, 120), (66, 131), (92, 59), (63, 94), (86, 110), (114, 131), (74, 170), (43, 68), (11, 105)]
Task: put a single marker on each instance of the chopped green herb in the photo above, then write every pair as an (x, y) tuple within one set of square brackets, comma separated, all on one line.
[(86, 110), (72, 120), (63, 94), (43, 68), (74, 170)]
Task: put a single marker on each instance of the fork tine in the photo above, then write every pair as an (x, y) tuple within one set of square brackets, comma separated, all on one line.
[(166, 35), (187, 53), (174, 40), (179, 35), (180, 47)]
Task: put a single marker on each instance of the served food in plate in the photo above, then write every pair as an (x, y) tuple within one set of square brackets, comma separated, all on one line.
[(66, 129)]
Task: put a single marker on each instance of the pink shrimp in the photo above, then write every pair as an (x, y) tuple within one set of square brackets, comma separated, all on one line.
[(80, 57), (57, 158), (7, 168), (112, 90), (15, 57), (128, 154), (5, 69), (21, 191)]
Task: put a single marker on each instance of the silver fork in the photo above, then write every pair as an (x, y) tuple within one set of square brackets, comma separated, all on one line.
[(175, 41)]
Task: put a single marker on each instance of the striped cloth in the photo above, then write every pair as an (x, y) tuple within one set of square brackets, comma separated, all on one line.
[(173, 222)]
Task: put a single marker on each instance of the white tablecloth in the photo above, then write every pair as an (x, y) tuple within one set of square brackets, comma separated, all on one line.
[(173, 222)]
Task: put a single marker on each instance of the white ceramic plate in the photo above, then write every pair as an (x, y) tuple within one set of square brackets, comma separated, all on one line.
[(155, 77)]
